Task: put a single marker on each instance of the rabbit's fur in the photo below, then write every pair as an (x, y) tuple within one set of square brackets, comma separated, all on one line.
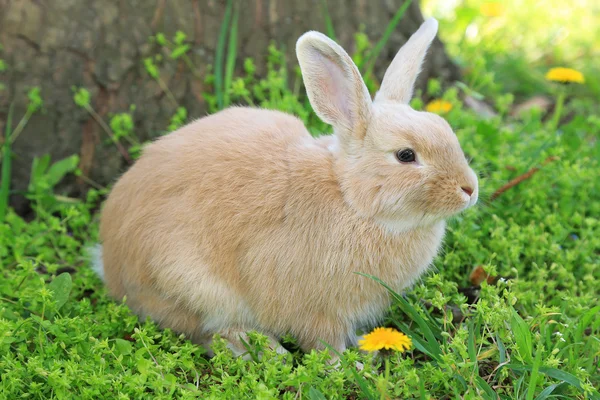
[(242, 221)]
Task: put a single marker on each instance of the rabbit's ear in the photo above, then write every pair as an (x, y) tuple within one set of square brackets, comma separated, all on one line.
[(335, 88), (400, 77)]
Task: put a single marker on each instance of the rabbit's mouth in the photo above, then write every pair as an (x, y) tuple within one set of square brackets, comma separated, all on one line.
[(451, 205), (469, 199)]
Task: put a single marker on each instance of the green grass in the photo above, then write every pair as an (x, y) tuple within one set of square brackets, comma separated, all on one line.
[(373, 55), (329, 29), (220, 87), (532, 334)]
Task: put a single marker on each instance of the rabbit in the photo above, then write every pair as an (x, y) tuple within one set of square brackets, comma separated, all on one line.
[(242, 221)]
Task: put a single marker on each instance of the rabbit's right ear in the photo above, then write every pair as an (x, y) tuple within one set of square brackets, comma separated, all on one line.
[(334, 85), (399, 79)]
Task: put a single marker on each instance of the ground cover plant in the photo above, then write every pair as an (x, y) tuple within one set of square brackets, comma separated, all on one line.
[(509, 310)]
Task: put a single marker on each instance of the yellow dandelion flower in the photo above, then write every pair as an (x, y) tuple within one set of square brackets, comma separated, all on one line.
[(438, 106), (565, 75), (385, 338), (491, 9)]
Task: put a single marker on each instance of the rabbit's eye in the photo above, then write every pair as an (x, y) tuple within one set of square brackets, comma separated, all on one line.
[(406, 156)]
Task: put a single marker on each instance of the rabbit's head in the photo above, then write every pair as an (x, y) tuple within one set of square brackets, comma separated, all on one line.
[(403, 167)]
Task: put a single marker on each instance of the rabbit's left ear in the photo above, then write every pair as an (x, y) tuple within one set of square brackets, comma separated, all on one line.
[(334, 86), (399, 79)]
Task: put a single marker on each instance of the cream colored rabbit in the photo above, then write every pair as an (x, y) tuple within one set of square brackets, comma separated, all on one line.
[(242, 221)]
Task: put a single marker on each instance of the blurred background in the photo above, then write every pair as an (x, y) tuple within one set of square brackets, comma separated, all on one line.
[(89, 81)]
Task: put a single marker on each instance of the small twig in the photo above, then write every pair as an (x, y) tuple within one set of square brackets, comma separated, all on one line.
[(20, 126), (108, 131), (91, 182), (8, 300), (168, 92), (521, 178)]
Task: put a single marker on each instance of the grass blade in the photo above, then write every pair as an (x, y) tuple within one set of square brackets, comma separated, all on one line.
[(372, 57), (585, 321), (220, 54), (471, 343), (537, 362), (422, 393), (251, 350), (420, 343), (328, 23), (6, 167), (522, 337), (547, 391), (553, 373), (501, 349), (231, 55), (489, 393), (463, 385)]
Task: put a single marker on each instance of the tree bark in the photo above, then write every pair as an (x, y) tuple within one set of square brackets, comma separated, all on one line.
[(101, 45)]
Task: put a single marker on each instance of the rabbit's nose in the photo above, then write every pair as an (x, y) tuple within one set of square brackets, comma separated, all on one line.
[(468, 190)]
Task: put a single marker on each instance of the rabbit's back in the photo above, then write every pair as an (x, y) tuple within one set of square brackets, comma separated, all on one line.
[(196, 194)]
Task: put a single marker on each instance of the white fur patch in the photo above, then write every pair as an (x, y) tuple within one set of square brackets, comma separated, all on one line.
[(94, 253), (334, 145)]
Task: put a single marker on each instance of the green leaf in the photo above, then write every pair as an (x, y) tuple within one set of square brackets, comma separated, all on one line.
[(82, 97), (171, 379), (143, 365), (522, 336), (61, 286), (179, 51), (59, 169), (547, 391), (123, 346), (179, 37), (160, 38), (35, 100), (38, 169), (501, 349), (151, 68), (486, 388), (314, 394)]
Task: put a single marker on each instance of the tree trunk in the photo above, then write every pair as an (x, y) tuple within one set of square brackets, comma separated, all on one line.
[(101, 45)]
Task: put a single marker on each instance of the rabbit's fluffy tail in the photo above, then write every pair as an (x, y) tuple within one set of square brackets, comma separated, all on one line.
[(95, 256)]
